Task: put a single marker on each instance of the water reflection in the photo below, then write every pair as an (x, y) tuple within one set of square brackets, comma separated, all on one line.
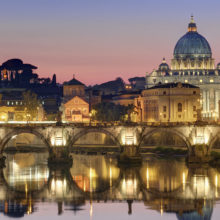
[(162, 185), (94, 174), (26, 172)]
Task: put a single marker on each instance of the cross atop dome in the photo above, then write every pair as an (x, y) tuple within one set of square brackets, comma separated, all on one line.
[(192, 19), (192, 25)]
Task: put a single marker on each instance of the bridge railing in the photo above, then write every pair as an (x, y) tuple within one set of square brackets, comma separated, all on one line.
[(103, 124)]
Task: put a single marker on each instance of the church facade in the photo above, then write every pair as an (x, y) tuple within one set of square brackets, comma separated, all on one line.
[(192, 63)]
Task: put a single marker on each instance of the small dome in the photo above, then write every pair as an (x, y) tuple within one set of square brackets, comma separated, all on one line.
[(163, 66), (192, 44)]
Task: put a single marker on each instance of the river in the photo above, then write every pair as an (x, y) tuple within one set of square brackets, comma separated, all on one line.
[(96, 187)]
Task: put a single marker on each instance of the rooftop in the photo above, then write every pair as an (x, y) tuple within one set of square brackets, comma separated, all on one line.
[(73, 82), (173, 85)]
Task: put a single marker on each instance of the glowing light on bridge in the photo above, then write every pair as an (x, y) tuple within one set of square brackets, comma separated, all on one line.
[(201, 140), (58, 141), (128, 137)]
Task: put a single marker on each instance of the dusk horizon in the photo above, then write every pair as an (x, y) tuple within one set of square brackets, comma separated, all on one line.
[(99, 41)]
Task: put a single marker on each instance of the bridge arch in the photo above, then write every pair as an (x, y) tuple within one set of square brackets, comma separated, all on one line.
[(93, 130), (213, 141), (18, 131), (166, 130)]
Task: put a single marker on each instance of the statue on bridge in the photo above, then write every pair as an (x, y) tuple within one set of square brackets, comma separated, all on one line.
[(59, 118)]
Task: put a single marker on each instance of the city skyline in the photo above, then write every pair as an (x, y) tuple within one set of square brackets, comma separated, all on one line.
[(100, 40)]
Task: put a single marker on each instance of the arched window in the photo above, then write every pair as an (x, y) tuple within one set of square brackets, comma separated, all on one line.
[(180, 107)]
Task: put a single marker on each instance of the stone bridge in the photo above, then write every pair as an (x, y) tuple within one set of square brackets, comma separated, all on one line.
[(66, 135)]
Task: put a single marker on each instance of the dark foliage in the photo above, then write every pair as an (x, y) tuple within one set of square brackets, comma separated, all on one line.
[(108, 112)]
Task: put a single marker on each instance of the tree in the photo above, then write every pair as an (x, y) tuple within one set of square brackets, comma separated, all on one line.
[(18, 68), (108, 112), (54, 80), (31, 104), (12, 77), (131, 109)]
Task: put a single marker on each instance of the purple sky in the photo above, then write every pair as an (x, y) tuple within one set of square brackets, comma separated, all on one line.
[(99, 40)]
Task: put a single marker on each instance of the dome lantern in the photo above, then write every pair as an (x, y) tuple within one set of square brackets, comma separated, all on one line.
[(192, 25)]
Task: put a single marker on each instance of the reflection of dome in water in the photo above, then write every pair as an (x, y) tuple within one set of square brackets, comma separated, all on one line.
[(192, 44), (206, 215)]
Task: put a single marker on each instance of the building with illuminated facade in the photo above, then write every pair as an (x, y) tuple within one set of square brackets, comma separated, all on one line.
[(192, 63), (75, 108), (171, 102)]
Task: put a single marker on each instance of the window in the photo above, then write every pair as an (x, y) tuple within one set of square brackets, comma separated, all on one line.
[(180, 107), (194, 92), (211, 80), (194, 108), (164, 92), (164, 108), (186, 81), (96, 136), (67, 111), (164, 116), (200, 80), (8, 103), (166, 81), (179, 116), (194, 116)]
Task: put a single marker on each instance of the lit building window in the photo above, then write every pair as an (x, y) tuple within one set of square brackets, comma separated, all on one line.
[(180, 107), (8, 103), (211, 80), (16, 103), (12, 103), (186, 81), (166, 81), (200, 80)]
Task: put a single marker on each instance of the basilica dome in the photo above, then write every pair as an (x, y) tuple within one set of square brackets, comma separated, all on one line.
[(192, 44)]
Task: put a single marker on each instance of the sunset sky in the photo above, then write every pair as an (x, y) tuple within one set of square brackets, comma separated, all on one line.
[(99, 40)]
